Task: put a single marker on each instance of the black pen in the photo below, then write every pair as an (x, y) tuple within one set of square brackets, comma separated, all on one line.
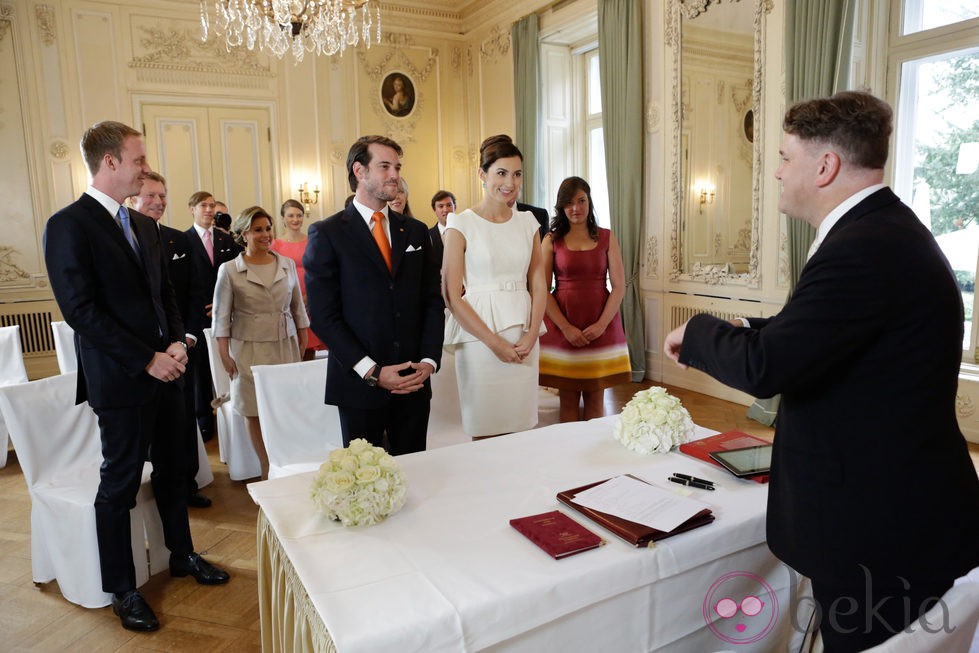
[(686, 477), (696, 484)]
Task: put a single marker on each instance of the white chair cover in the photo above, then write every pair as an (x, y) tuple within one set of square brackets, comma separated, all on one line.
[(445, 418), (59, 449), (299, 430), (64, 346), (233, 443), (950, 625), (11, 371)]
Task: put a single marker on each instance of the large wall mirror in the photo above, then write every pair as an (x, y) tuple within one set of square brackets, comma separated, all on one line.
[(717, 98)]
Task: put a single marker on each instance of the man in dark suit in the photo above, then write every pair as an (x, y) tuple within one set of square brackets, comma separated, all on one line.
[(443, 203), (107, 270), (872, 493), (373, 288), (152, 201), (541, 214), (209, 248)]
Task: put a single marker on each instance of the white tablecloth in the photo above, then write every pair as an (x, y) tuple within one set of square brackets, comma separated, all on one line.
[(448, 573)]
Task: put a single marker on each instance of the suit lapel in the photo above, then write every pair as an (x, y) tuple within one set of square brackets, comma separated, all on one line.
[(399, 240), (363, 239), (108, 225)]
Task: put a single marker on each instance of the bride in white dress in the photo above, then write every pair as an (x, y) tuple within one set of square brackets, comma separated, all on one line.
[(493, 284)]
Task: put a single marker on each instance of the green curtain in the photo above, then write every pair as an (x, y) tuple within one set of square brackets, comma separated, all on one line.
[(818, 36), (818, 40), (620, 66), (524, 35)]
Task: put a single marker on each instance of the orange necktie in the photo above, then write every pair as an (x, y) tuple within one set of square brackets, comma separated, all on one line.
[(381, 238)]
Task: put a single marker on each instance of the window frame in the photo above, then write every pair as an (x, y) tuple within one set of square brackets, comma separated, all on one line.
[(908, 48)]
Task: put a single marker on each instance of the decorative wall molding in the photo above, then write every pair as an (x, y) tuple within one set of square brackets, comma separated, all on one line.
[(455, 59), (177, 56), (964, 406), (651, 260), (397, 44), (60, 150), (10, 272), (44, 14), (497, 45), (6, 18), (653, 117), (783, 257)]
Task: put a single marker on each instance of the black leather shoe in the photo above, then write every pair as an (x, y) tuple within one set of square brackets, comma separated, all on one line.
[(133, 612), (198, 500), (194, 565)]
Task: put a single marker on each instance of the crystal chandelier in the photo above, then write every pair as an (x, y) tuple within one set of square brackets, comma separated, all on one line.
[(297, 26)]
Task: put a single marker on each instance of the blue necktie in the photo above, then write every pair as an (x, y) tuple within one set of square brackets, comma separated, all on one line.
[(127, 228)]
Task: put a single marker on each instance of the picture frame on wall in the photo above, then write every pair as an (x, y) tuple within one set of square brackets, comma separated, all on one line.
[(398, 94)]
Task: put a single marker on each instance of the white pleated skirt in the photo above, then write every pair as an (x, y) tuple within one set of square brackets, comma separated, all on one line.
[(496, 397)]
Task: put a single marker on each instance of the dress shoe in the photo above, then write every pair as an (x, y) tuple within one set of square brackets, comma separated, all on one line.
[(133, 612), (198, 500), (194, 565)]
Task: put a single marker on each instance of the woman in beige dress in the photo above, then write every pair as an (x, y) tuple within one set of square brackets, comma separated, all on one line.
[(259, 316)]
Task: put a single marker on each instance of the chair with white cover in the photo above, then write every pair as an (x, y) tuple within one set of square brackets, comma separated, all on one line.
[(233, 442), (60, 452), (12, 371), (950, 625), (64, 346), (299, 430)]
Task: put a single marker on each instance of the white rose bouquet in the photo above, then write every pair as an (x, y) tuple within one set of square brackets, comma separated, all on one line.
[(653, 421), (359, 485)]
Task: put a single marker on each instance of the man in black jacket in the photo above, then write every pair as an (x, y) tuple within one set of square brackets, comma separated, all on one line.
[(866, 356), (152, 201)]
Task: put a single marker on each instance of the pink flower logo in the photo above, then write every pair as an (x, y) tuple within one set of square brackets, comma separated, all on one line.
[(740, 608)]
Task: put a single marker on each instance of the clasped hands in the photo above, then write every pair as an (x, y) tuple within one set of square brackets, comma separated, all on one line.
[(581, 337), (390, 378), (513, 352), (168, 365)]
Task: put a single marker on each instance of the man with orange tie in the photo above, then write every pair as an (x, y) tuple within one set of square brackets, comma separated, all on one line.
[(372, 282)]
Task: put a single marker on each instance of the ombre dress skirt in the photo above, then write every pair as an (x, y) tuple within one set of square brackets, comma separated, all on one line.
[(581, 292)]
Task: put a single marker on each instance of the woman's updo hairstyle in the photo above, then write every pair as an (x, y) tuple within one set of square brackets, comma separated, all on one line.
[(496, 147), (244, 222)]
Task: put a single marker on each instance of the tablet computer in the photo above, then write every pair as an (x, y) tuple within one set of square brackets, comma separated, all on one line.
[(747, 461)]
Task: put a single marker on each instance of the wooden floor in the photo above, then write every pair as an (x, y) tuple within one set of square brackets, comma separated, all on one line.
[(194, 618)]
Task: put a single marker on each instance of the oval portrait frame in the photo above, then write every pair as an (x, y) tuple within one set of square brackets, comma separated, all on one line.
[(397, 102)]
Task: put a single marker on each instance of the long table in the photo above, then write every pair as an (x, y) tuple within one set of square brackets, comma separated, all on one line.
[(448, 573)]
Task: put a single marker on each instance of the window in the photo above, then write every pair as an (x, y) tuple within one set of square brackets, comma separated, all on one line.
[(589, 122), (573, 138), (933, 65)]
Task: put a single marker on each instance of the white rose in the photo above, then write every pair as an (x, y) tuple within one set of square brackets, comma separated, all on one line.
[(368, 474), (338, 482)]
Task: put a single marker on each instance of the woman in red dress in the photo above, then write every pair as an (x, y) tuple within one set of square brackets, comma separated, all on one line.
[(293, 245), (584, 350)]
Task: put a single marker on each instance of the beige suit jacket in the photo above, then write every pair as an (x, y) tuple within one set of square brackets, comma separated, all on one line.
[(247, 309)]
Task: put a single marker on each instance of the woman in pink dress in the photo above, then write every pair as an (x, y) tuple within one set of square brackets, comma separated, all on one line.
[(293, 245), (584, 350)]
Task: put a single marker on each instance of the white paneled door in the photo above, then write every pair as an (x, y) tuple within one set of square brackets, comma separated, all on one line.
[(223, 150)]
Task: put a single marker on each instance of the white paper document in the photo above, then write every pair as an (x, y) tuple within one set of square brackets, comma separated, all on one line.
[(631, 499)]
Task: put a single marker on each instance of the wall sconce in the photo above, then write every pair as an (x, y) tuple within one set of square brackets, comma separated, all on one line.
[(706, 192), (307, 198)]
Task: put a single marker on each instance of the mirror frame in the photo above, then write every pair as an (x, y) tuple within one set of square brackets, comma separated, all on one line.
[(678, 9)]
